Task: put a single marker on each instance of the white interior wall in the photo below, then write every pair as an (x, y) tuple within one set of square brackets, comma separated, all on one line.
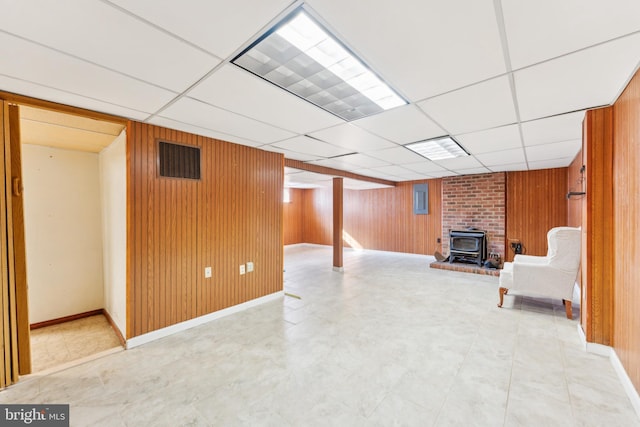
[(63, 232), (113, 186)]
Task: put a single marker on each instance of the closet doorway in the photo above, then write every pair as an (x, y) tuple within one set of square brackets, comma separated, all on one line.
[(71, 192)]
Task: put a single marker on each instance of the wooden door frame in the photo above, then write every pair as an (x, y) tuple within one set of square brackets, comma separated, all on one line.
[(19, 244)]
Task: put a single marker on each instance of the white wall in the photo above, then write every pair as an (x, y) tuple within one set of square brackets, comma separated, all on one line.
[(113, 185), (63, 232)]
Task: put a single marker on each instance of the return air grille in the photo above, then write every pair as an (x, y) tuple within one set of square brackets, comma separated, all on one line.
[(178, 161)]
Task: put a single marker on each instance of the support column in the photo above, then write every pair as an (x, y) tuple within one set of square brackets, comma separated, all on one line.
[(337, 224)]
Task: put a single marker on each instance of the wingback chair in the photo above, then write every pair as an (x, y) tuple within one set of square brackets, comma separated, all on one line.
[(551, 276)]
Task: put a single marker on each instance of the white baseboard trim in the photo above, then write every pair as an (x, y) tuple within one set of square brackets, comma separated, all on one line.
[(590, 347), (188, 324), (610, 352), (631, 391)]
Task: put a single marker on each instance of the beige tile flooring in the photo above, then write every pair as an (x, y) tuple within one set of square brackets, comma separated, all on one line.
[(388, 342), (60, 344)]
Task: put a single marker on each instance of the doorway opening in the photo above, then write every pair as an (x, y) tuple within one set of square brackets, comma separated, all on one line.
[(74, 180)]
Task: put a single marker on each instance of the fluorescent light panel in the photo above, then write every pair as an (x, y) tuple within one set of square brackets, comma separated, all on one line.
[(438, 148), (301, 56)]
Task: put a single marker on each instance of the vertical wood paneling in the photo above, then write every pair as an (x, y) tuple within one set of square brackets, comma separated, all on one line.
[(380, 219), (292, 223), (176, 228), (536, 202), (575, 182), (597, 226), (383, 219), (317, 207), (626, 199)]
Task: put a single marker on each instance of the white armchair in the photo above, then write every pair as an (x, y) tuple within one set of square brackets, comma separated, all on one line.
[(551, 276)]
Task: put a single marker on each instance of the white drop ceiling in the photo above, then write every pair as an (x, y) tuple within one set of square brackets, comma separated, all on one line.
[(510, 80)]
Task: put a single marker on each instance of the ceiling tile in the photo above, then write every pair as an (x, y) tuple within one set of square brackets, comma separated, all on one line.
[(397, 155), (425, 167), (198, 113), (568, 26), (585, 79), (401, 125), (503, 157), (118, 41), (352, 138), (447, 49), (466, 162), (310, 146), (557, 150), (291, 171), (413, 176), (443, 174), (289, 154), (43, 92), (197, 130), (548, 164), (33, 63), (218, 26), (509, 168), (392, 170), (306, 176), (306, 179), (334, 164), (363, 161), (234, 89), (553, 129), (495, 139), (473, 171), (482, 106)]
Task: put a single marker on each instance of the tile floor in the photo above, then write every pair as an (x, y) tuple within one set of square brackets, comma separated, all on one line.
[(60, 344), (388, 342)]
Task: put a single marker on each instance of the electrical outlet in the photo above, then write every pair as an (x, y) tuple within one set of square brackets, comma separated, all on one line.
[(438, 240), (516, 246), (249, 267), (207, 272), (242, 269)]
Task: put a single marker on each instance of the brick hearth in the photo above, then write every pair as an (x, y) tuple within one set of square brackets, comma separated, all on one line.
[(465, 268)]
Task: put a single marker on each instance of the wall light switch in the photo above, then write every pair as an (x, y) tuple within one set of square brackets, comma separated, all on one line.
[(207, 272), (249, 267), (242, 269)]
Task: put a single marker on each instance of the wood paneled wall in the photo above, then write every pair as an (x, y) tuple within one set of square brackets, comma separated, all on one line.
[(383, 219), (575, 182), (626, 226), (597, 227), (380, 219), (536, 202), (176, 228), (293, 217), (317, 213)]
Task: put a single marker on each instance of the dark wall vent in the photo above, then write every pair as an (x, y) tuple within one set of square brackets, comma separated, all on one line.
[(178, 161)]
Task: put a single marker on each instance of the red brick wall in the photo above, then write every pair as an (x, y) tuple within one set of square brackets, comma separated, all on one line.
[(475, 201)]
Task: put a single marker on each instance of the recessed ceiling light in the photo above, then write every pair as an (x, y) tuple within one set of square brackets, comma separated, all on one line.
[(302, 57), (441, 148)]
